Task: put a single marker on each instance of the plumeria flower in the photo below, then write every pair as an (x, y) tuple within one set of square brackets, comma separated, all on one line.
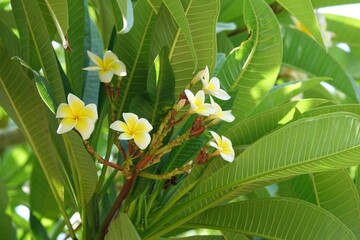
[(223, 146), (212, 86), (220, 114), (197, 103), (76, 115), (107, 67), (134, 128)]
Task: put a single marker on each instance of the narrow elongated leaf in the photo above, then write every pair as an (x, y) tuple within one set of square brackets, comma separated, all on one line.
[(27, 47), (155, 4), (122, 229), (274, 218), (251, 129), (59, 13), (201, 16), (83, 167), (104, 19), (42, 87), (337, 194), (285, 92), (317, 61), (7, 231), (42, 200), (251, 69), (92, 83), (177, 12), (10, 40), (234, 236), (159, 96), (18, 99), (307, 145), (124, 9), (347, 60), (304, 12), (79, 42), (346, 29), (327, 3), (133, 49), (353, 108), (37, 28)]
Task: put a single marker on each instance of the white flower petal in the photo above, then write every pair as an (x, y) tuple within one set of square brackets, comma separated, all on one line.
[(126, 136), (199, 98), (143, 125), (216, 137), (105, 76), (64, 111), (89, 111), (95, 59), (227, 157), (92, 68), (109, 57), (221, 94), (85, 126), (205, 109), (66, 125), (118, 68), (119, 126), (227, 116), (75, 104), (190, 96), (213, 144), (131, 120), (206, 74), (142, 140)]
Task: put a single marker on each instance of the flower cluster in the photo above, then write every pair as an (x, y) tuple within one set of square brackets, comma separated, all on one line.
[(135, 130), (212, 110)]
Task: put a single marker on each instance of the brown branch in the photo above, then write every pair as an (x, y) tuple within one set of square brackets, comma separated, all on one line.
[(116, 206)]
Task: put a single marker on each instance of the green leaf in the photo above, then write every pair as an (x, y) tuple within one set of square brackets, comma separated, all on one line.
[(124, 8), (234, 236), (59, 14), (122, 229), (274, 218), (201, 16), (177, 12), (304, 12), (42, 86), (346, 29), (42, 200), (282, 93), (92, 83), (79, 41), (17, 99), (160, 91), (353, 108), (307, 145), (317, 62), (155, 5), (252, 128), (104, 19), (83, 167), (133, 49), (38, 230), (6, 229), (199, 237), (348, 61), (322, 3), (337, 194), (37, 28), (251, 69), (10, 40)]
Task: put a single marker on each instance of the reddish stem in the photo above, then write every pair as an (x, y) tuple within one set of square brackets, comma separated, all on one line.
[(116, 206)]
